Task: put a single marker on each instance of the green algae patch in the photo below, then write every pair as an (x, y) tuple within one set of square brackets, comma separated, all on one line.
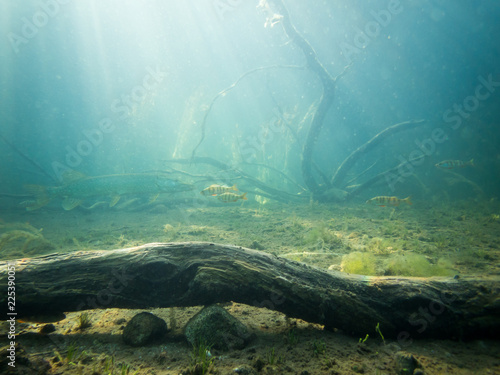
[(412, 264), (359, 263)]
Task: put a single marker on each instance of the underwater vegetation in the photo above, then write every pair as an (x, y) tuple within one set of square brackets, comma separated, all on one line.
[(20, 240), (411, 264), (72, 356), (201, 358), (76, 359), (84, 321), (109, 367), (359, 263), (273, 358), (400, 264), (318, 348), (379, 245), (170, 231), (377, 329), (291, 337), (321, 237)]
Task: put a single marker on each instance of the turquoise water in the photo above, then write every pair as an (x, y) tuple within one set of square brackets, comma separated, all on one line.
[(318, 124), (122, 87)]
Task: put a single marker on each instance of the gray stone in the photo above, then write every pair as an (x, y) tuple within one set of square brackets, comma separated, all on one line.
[(143, 329), (244, 370), (218, 329)]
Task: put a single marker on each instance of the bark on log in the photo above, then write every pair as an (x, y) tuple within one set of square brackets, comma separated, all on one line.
[(190, 274)]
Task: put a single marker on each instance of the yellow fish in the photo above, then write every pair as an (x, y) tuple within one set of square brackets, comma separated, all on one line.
[(452, 164), (214, 189), (231, 197), (388, 201)]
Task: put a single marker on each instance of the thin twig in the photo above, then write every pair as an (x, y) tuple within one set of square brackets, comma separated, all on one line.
[(226, 90), (28, 159)]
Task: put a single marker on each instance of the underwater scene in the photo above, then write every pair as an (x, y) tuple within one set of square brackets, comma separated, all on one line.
[(250, 187)]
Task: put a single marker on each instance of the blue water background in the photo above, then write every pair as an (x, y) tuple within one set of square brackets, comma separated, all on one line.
[(81, 68)]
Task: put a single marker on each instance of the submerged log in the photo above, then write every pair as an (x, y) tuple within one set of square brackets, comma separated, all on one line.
[(190, 274)]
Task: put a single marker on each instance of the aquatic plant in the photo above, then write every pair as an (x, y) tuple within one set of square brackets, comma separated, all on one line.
[(295, 223), (21, 239), (125, 369), (201, 358), (322, 237), (272, 358), (328, 362), (359, 263), (291, 337), (411, 264), (390, 228), (108, 367), (122, 241), (170, 231), (377, 329), (319, 348), (362, 341), (441, 244), (84, 321), (360, 369), (408, 265), (494, 217), (72, 356), (444, 267), (378, 245), (109, 364)]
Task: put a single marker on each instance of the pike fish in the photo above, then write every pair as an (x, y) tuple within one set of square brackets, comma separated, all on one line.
[(78, 187)]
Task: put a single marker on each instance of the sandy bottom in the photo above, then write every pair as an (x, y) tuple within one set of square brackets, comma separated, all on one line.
[(458, 239)]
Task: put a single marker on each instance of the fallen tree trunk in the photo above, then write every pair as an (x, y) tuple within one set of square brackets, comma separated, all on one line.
[(189, 274)]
